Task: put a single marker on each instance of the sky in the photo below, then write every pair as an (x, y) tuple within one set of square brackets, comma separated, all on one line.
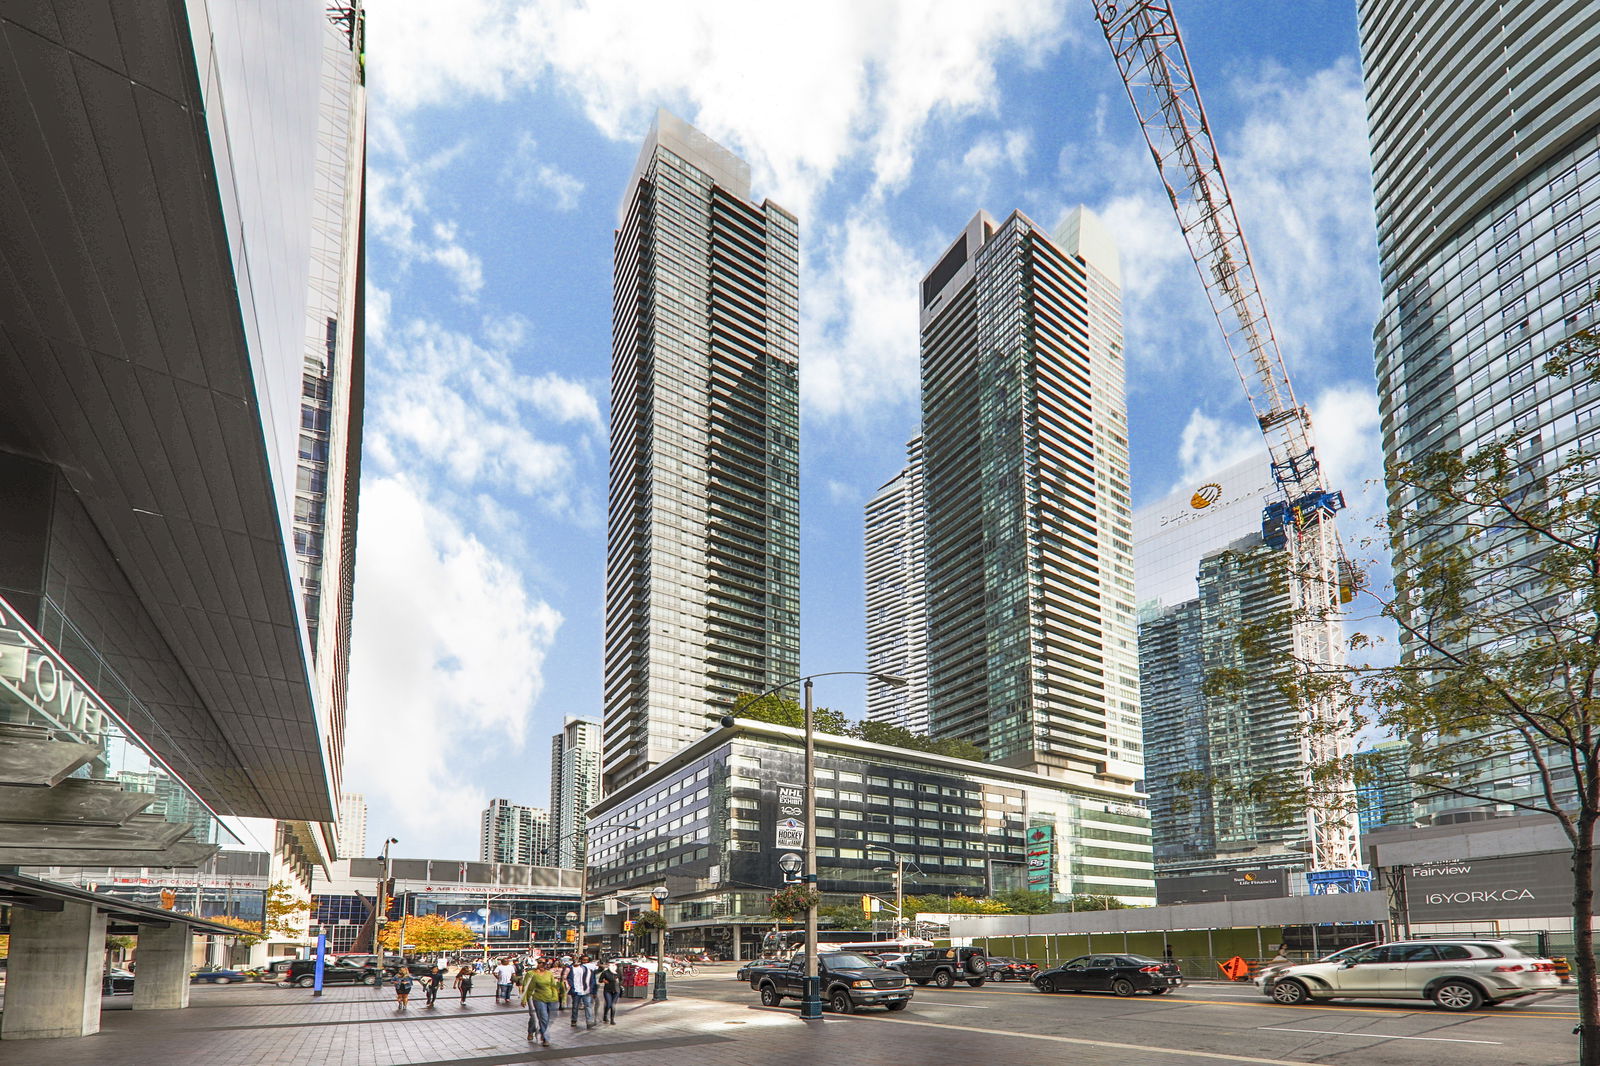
[(501, 136)]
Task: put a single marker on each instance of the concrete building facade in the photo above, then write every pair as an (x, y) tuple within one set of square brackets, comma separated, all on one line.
[(574, 788), (702, 564), (1484, 125), (353, 823), (897, 595), (180, 381), (1031, 632)]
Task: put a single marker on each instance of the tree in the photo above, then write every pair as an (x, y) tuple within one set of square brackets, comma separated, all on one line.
[(780, 710), (427, 933), (285, 911), (887, 735), (249, 934), (1496, 557)]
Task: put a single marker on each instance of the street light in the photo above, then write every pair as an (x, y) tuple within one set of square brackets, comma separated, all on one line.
[(583, 873), (899, 886), (660, 894), (380, 915), (811, 989)]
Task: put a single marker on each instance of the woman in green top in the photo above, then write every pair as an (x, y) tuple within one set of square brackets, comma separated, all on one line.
[(540, 990)]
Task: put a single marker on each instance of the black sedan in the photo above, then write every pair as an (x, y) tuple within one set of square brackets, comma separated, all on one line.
[(1002, 968), (115, 982), (1121, 974)]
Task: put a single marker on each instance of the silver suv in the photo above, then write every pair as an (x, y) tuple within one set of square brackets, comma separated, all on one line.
[(1455, 974)]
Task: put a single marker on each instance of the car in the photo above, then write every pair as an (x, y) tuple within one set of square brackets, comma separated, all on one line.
[(272, 971), (890, 960), (849, 981), (116, 982), (1003, 968), (943, 967), (1122, 975), (216, 975), (1457, 975), (1269, 973), (303, 972)]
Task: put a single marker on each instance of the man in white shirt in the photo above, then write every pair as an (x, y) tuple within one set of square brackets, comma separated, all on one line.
[(505, 975), (580, 981)]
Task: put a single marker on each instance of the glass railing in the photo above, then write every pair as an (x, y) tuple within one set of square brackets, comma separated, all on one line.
[(46, 697)]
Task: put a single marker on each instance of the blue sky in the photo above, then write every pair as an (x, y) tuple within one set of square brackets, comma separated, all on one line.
[(500, 138)]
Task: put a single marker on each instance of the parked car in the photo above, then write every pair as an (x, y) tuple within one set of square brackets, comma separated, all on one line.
[(945, 966), (849, 981), (1002, 968), (1456, 975), (303, 972), (1120, 974), (215, 975), (272, 971), (115, 982), (890, 960)]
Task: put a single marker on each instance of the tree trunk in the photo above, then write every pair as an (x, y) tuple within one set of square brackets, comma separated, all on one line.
[(1583, 942)]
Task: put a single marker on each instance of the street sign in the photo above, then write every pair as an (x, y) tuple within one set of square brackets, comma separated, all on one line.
[(791, 801), (791, 833)]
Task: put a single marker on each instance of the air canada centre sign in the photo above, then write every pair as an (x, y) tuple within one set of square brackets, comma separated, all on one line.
[(1511, 886)]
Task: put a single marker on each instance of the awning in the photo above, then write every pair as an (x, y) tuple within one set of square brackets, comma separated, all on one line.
[(32, 893)]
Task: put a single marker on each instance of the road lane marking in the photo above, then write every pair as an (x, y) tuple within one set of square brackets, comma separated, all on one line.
[(963, 1006), (1250, 1001), (1214, 1055), (1378, 1036)]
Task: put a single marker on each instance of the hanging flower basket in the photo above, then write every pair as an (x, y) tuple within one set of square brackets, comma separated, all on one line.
[(650, 920), (793, 902)]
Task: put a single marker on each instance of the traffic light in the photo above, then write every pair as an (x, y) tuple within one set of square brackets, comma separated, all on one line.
[(169, 899), (866, 904), (516, 923), (655, 904), (572, 936), (627, 926)]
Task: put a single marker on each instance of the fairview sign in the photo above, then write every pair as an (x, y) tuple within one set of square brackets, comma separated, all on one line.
[(1508, 886)]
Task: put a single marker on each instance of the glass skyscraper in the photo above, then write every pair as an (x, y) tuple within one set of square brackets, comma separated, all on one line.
[(897, 595), (574, 788), (1484, 122), (703, 549), (1032, 644)]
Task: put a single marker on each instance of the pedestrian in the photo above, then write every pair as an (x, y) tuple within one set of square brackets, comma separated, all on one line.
[(402, 988), (464, 983), (505, 976), (610, 986), (560, 970), (539, 995), (580, 983), (432, 982)]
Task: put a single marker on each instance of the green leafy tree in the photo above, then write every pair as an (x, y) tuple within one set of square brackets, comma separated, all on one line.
[(777, 709), (1496, 595), (285, 912), (887, 735)]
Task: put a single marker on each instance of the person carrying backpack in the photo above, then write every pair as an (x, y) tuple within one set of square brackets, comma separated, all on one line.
[(402, 988), (610, 987), (464, 983)]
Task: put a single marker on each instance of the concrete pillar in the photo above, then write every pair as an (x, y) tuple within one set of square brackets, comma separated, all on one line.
[(161, 978), (53, 982)]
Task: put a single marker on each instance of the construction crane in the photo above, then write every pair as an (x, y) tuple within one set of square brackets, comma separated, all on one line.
[(1155, 70)]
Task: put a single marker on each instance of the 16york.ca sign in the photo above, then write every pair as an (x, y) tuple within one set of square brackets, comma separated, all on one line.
[(1511, 886)]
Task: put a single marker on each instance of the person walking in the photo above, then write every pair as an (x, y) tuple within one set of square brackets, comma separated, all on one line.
[(610, 986), (505, 976), (561, 969), (402, 988), (539, 995), (464, 983), (581, 983), (432, 981)]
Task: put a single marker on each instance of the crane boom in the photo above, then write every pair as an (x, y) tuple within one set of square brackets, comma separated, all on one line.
[(1149, 53)]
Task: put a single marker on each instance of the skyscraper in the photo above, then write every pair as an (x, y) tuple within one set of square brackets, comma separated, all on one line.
[(1486, 179), (702, 562), (897, 596), (352, 824), (1385, 793), (513, 833), (1213, 602), (1031, 637), (574, 788)]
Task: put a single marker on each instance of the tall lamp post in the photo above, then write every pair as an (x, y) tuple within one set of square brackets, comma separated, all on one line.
[(811, 989), (380, 915), (660, 894)]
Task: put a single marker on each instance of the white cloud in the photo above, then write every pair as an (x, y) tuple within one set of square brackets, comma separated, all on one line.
[(1208, 444), (533, 180), (447, 661), (837, 79), (859, 318), (457, 408), (398, 210)]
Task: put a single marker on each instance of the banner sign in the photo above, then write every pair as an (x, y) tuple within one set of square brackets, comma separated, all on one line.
[(791, 833), (1510, 886), (1041, 848), (791, 801), (1264, 882)]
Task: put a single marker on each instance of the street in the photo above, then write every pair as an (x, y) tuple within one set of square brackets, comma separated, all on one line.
[(712, 1020)]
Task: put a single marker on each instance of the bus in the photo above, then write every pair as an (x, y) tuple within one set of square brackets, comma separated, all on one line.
[(785, 943)]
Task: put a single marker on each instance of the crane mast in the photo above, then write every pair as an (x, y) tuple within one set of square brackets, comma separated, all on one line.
[(1150, 56)]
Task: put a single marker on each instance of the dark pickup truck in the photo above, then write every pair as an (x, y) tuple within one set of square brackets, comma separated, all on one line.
[(848, 981)]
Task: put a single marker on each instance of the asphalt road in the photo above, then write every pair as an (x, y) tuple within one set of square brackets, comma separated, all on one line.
[(1213, 1024)]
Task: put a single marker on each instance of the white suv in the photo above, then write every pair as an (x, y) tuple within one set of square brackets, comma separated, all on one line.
[(1455, 974)]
